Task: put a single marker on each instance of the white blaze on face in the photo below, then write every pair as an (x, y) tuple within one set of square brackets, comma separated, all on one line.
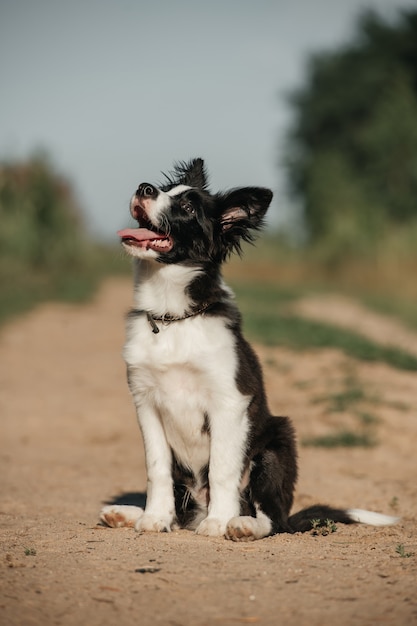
[(163, 200), (154, 206), (177, 190)]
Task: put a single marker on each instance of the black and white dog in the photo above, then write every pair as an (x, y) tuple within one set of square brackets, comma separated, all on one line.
[(217, 460)]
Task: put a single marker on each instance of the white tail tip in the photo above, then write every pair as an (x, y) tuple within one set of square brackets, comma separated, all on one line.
[(370, 517)]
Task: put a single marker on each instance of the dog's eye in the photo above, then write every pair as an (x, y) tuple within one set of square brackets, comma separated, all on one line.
[(188, 207)]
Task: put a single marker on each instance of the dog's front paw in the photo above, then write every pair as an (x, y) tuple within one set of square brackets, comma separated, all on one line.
[(153, 523), (211, 527), (117, 516)]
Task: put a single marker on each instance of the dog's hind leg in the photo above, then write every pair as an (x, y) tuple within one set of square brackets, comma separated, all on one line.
[(268, 499), (116, 515), (271, 484)]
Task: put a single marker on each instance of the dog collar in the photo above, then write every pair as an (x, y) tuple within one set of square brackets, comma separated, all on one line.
[(167, 318)]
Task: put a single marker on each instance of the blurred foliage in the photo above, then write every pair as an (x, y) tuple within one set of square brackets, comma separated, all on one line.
[(351, 153), (44, 251), (40, 219), (267, 319), (272, 275)]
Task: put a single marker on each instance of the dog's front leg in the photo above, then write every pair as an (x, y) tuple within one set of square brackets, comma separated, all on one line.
[(228, 437), (160, 506)]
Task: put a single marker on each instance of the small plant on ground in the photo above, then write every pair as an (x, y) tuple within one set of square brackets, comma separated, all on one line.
[(322, 527), (349, 400), (30, 551), (349, 397), (400, 549), (367, 419), (394, 503)]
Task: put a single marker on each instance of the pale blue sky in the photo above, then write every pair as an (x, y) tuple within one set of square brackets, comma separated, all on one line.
[(116, 90)]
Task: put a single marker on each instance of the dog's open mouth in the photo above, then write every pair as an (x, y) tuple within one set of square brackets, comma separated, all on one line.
[(146, 237)]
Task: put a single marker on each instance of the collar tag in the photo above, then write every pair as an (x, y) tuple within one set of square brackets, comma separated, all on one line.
[(152, 322)]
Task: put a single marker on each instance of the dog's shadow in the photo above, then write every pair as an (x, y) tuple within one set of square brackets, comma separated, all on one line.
[(131, 498)]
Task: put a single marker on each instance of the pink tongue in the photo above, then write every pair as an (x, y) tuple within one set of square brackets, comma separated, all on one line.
[(139, 234)]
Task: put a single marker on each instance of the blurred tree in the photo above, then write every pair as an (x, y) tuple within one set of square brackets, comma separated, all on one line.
[(351, 153), (39, 217), (44, 250)]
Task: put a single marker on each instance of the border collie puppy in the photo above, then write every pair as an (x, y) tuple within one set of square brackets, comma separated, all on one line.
[(217, 460)]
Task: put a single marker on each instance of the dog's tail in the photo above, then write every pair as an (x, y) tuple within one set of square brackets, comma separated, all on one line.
[(321, 515)]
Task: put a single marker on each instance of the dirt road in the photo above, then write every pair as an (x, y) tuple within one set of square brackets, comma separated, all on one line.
[(69, 443)]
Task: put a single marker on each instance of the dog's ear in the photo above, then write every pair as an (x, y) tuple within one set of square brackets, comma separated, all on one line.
[(195, 174), (241, 212), (192, 173)]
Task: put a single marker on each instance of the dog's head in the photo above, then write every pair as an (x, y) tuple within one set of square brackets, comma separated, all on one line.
[(181, 222)]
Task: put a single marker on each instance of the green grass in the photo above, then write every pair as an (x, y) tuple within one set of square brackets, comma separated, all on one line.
[(342, 439), (22, 288), (343, 400), (264, 295), (349, 397), (301, 334), (366, 418), (403, 309), (264, 306), (349, 400), (22, 295), (385, 283)]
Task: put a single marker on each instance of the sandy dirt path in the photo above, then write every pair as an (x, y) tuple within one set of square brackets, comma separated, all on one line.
[(69, 443)]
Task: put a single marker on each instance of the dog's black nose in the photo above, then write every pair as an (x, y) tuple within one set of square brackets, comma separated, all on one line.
[(146, 190)]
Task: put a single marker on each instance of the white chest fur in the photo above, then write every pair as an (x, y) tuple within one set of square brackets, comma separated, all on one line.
[(186, 374)]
